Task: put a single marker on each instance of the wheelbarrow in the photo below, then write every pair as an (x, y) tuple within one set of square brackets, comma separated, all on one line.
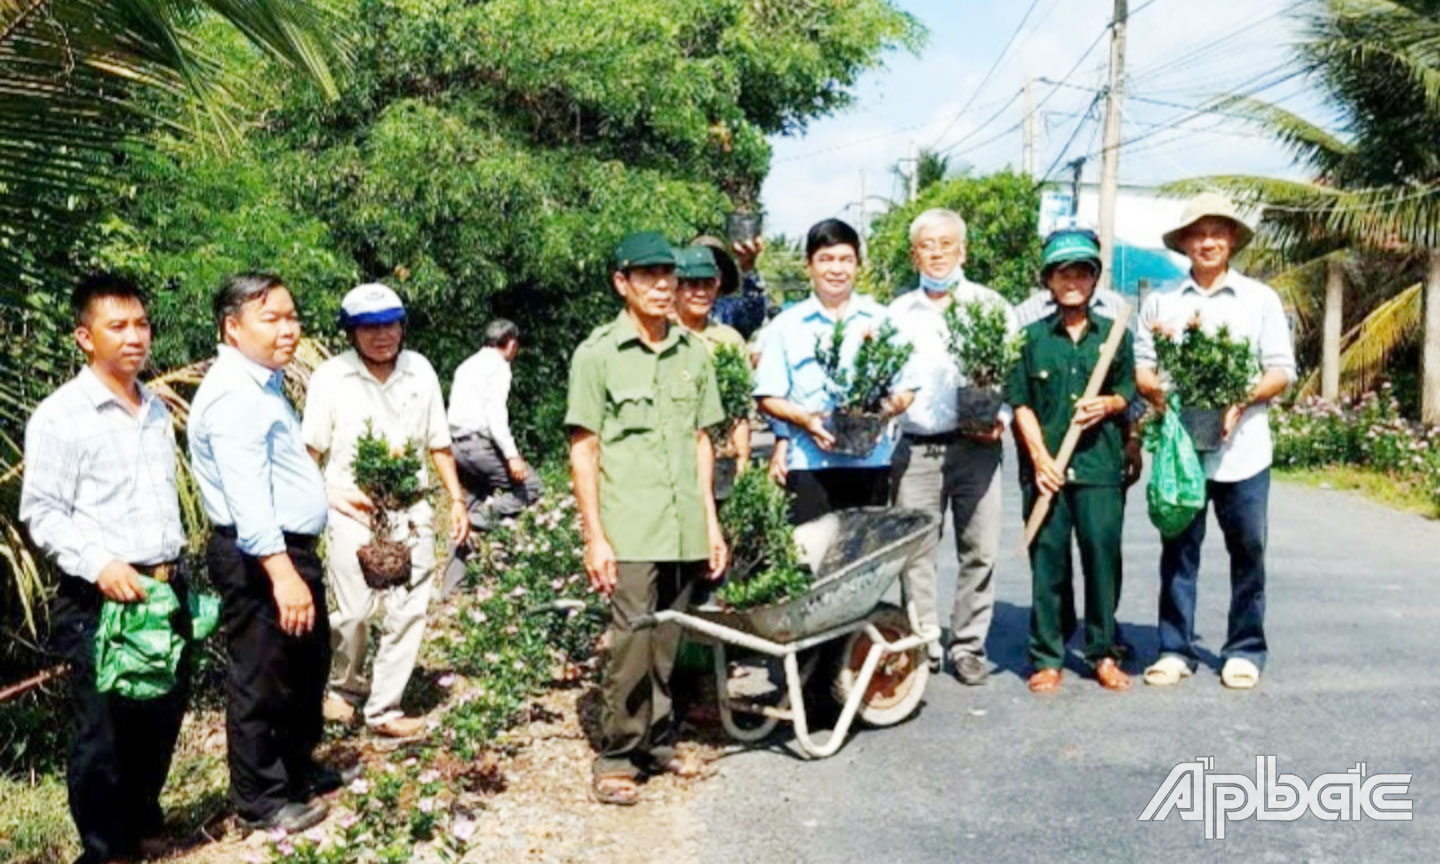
[(856, 556)]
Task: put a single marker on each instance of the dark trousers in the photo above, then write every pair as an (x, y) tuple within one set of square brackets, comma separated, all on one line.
[(120, 748), (274, 683), (490, 493), (1093, 515), (825, 490), (637, 726), (1242, 509)]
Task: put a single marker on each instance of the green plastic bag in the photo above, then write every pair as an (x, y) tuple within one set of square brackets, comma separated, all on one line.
[(137, 650), (1176, 492)]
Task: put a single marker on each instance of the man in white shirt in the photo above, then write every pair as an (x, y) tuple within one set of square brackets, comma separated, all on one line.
[(1210, 233), (378, 387), (497, 481), (935, 466)]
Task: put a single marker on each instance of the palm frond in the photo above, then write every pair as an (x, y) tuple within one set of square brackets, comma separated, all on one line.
[(1307, 141), (1366, 349)]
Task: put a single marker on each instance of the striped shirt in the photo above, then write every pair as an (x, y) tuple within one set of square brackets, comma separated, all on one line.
[(99, 481)]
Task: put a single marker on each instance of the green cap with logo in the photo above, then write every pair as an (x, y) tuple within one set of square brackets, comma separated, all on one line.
[(1069, 246), (696, 262), (644, 249)]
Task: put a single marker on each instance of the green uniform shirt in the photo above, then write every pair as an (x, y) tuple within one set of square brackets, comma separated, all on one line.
[(716, 334), (1051, 377), (646, 406)]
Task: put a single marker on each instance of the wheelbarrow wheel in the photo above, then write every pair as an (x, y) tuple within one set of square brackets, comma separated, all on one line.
[(898, 685)]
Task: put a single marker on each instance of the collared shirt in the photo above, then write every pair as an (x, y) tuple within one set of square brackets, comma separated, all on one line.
[(922, 322), (1106, 303), (249, 458), (1252, 311), (646, 405), (344, 399), (790, 370), (1051, 377), (99, 481), (479, 400)]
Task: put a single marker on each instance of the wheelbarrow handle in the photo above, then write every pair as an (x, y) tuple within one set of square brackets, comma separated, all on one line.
[(644, 621)]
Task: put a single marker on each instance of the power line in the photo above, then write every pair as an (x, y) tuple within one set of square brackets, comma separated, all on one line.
[(978, 129), (983, 81), (1075, 133)]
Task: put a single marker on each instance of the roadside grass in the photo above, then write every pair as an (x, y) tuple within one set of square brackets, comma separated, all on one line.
[(35, 821), (1382, 488)]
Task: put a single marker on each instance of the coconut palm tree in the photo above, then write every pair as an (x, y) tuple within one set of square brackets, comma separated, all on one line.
[(1376, 169), (76, 83)]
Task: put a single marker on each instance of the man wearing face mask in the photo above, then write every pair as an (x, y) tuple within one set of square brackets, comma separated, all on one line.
[(936, 467), (377, 386)]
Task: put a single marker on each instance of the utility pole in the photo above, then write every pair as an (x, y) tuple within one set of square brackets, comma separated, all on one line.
[(1027, 131), (1110, 155)]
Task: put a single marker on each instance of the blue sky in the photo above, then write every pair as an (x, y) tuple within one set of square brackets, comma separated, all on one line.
[(1181, 53)]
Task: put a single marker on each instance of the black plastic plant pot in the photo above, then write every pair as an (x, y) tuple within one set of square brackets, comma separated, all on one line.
[(1205, 426), (724, 477), (856, 434), (977, 408), (742, 226)]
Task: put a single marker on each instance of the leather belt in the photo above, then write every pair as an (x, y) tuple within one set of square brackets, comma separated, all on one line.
[(929, 440)]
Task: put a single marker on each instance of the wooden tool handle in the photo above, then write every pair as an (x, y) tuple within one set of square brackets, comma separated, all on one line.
[(1072, 435)]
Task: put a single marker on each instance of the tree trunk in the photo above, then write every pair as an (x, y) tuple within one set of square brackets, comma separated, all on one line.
[(1430, 368), (1334, 323)]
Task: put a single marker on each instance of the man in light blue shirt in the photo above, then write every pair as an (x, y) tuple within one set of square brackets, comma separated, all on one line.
[(792, 387), (267, 502)]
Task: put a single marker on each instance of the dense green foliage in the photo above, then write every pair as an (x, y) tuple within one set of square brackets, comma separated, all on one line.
[(1002, 240), (732, 375), (389, 476), (877, 364), (980, 343), (764, 562), (1207, 370)]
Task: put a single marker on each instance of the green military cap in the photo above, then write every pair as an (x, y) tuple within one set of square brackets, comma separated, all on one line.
[(1068, 246), (644, 249), (696, 262)]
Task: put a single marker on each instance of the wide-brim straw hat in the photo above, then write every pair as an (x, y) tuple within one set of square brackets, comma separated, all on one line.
[(1209, 204)]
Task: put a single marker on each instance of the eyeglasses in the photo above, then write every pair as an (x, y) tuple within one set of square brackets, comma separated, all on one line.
[(938, 245)]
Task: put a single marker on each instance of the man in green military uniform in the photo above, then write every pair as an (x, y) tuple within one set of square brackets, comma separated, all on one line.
[(642, 392), (1046, 389)]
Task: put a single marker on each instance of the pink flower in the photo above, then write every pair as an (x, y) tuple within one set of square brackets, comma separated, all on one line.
[(447, 680), (360, 786), (462, 829), (429, 775)]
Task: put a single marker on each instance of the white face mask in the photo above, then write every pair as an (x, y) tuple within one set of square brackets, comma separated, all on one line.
[(943, 285)]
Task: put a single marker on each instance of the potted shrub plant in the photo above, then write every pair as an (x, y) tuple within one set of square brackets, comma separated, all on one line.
[(732, 375), (765, 564), (858, 419), (391, 479), (1209, 373), (985, 351)]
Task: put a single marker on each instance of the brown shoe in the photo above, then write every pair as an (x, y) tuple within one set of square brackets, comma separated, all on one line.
[(1045, 681), (1111, 676), (337, 709), (400, 727)]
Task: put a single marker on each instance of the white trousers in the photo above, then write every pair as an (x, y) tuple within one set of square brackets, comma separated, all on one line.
[(403, 623)]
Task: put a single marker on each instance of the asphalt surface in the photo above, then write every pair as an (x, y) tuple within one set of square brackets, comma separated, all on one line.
[(992, 773)]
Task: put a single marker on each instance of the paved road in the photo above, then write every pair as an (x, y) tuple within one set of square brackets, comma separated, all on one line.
[(995, 774)]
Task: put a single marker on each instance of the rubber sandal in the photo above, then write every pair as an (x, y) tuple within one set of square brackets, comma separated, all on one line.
[(1239, 674), (1044, 681), (683, 766), (1167, 671), (606, 789), (1111, 676)]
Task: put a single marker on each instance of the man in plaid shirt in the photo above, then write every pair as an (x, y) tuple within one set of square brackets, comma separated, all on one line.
[(99, 498)]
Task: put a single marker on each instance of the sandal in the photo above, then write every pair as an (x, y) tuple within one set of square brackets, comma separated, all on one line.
[(1239, 674), (618, 789), (683, 766), (1167, 671), (1045, 681), (1110, 675)]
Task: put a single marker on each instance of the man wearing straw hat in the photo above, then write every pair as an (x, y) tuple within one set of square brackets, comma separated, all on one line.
[(1210, 233)]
